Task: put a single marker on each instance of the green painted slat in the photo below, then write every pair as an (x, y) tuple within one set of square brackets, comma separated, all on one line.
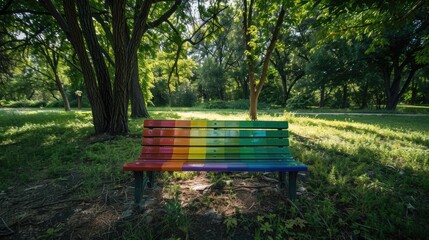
[(243, 150), (241, 142), (248, 124), (239, 133), (244, 157)]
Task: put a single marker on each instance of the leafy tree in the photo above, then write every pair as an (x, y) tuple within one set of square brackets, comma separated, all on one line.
[(398, 34), (257, 16)]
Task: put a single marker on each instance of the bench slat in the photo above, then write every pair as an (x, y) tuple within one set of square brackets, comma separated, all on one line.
[(214, 124), (204, 165), (212, 156), (214, 142), (214, 133), (215, 150)]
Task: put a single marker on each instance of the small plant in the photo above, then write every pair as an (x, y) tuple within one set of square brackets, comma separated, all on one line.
[(230, 223), (175, 216)]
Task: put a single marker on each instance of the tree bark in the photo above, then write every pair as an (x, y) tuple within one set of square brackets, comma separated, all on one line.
[(119, 124), (62, 92), (99, 114), (138, 106), (73, 32), (96, 53)]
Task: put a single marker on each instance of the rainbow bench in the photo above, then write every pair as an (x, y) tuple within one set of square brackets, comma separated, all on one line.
[(201, 145)]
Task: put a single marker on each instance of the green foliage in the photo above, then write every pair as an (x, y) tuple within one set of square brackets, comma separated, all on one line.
[(237, 104), (185, 96), (301, 101), (365, 172), (175, 217)]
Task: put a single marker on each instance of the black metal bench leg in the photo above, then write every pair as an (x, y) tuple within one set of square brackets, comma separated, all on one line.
[(282, 177), (150, 175), (292, 184), (138, 187)]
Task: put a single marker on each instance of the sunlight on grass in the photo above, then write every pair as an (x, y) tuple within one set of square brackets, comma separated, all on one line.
[(364, 170)]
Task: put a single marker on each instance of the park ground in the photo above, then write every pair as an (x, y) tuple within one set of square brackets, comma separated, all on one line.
[(368, 178)]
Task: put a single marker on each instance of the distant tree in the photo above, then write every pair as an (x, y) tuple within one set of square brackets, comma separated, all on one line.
[(398, 34)]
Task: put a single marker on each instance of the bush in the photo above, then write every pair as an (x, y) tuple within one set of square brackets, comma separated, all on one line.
[(160, 93), (185, 96), (24, 104), (237, 104), (55, 104), (300, 101), (216, 104)]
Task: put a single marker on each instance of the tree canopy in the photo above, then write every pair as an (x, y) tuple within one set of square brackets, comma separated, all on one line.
[(291, 54)]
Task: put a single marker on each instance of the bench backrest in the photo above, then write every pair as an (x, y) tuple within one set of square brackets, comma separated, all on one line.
[(202, 140)]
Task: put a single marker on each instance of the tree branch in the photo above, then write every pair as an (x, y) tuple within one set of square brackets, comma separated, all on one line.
[(165, 16), (270, 49)]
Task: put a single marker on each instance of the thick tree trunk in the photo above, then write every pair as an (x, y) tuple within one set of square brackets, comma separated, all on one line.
[(395, 92), (97, 57), (119, 123), (138, 106), (99, 115)]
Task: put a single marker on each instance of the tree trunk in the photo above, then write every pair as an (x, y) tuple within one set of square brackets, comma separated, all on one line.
[(322, 96), (97, 57), (119, 123), (284, 86), (255, 88), (345, 96), (62, 92), (73, 32), (138, 106), (413, 92), (245, 88), (253, 111), (364, 96)]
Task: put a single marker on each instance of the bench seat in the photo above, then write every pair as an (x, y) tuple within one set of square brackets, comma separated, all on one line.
[(201, 145)]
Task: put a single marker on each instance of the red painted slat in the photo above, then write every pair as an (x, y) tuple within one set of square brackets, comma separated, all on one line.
[(166, 133)]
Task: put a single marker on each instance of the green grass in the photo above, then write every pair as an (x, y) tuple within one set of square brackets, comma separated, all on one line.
[(368, 178)]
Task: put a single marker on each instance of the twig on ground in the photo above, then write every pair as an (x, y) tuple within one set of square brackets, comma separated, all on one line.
[(255, 187), (57, 202), (7, 227)]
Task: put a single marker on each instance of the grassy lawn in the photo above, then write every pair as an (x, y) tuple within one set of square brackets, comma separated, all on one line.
[(368, 178)]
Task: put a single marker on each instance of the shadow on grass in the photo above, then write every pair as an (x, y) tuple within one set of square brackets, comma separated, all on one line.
[(369, 199)]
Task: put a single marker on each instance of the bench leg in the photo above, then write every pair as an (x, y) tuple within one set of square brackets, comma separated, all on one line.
[(150, 175), (292, 184), (138, 187), (282, 177)]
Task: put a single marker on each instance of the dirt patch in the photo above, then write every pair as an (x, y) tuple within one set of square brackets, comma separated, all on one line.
[(51, 209)]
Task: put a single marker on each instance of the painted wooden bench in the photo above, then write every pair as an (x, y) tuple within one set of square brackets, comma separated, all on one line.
[(201, 145)]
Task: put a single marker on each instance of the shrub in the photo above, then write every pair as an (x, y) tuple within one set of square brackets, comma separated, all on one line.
[(216, 104), (185, 96), (237, 104), (24, 103), (300, 101)]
